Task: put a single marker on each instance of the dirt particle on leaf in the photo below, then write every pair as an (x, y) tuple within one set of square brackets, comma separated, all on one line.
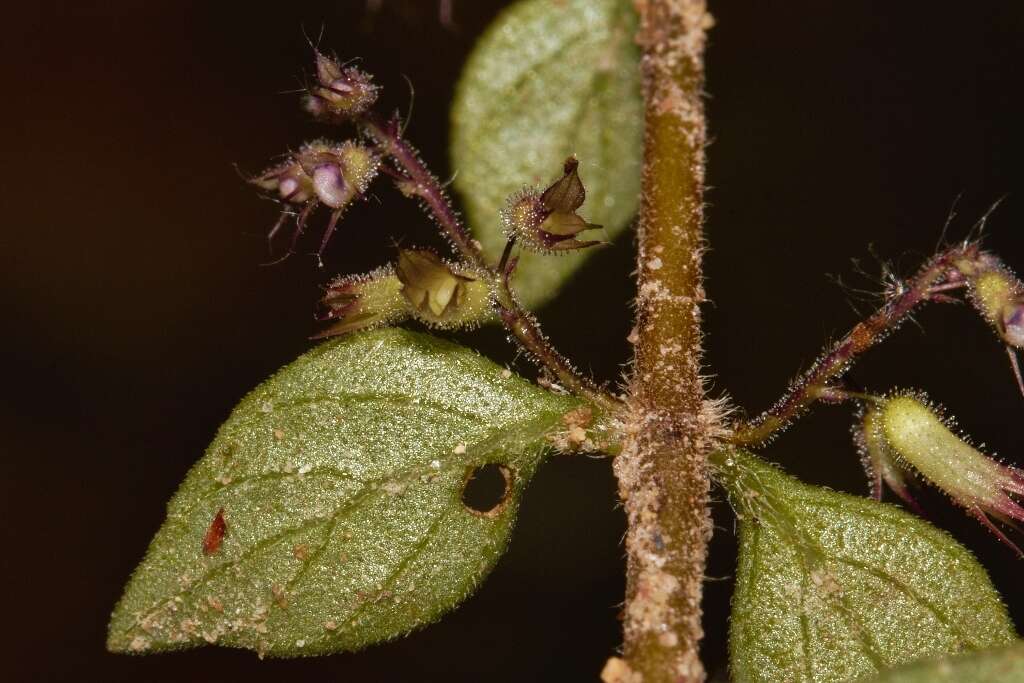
[(301, 552), (506, 373), (215, 604), (278, 434), (215, 534), (393, 488), (280, 599), (139, 644), (460, 449), (826, 582), (148, 623), (330, 624)]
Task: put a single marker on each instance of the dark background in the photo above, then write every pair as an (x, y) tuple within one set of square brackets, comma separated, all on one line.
[(136, 314)]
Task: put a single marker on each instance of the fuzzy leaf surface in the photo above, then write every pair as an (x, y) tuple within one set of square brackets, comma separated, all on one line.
[(1000, 665), (833, 587), (550, 79), (340, 483)]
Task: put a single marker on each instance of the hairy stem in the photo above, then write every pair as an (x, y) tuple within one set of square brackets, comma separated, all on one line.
[(940, 274), (527, 331), (662, 470), (523, 326), (424, 185)]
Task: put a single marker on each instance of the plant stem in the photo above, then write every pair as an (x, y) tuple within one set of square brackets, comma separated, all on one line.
[(662, 470), (940, 274), (425, 186), (523, 326), (527, 332)]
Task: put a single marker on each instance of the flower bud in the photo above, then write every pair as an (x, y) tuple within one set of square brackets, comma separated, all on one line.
[(999, 296), (360, 302), (548, 222), (920, 438), (439, 293), (340, 92)]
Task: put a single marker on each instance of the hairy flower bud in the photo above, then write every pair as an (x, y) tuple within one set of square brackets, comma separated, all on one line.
[(340, 92), (999, 296), (547, 221), (321, 172), (440, 293), (360, 302), (909, 428)]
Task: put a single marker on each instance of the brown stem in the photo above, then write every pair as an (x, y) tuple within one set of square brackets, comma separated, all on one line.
[(662, 470), (938, 275)]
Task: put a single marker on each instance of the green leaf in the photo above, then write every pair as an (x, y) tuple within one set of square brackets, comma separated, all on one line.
[(832, 587), (1000, 665), (340, 481), (547, 80)]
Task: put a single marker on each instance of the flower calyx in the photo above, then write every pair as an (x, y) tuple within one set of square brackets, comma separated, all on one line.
[(440, 293), (341, 92), (322, 172), (362, 302), (999, 297), (882, 464), (547, 221), (420, 285), (906, 434)]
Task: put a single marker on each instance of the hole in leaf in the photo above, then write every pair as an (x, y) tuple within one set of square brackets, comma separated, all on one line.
[(486, 489)]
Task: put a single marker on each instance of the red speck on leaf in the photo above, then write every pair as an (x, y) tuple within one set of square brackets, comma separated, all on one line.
[(215, 534)]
